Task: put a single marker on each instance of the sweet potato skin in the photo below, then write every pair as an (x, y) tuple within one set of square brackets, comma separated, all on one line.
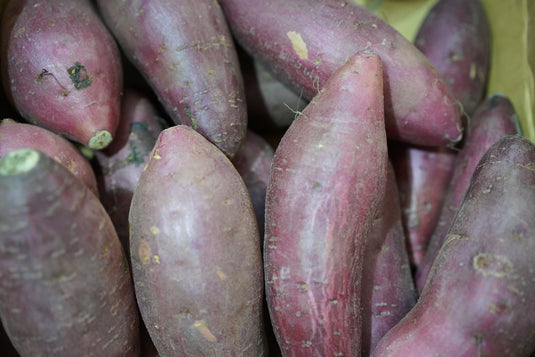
[(65, 285), (195, 251), (422, 176), (119, 166), (327, 179), (282, 103), (17, 135), (186, 54), (494, 118), (253, 162), (388, 287), (62, 68), (271, 104), (478, 298), (303, 42), (455, 36)]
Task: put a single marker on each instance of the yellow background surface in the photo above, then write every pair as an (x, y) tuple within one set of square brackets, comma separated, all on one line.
[(512, 25)]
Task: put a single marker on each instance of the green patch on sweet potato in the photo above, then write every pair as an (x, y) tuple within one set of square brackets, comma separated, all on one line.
[(139, 126), (134, 156), (141, 143), (79, 76), (188, 112)]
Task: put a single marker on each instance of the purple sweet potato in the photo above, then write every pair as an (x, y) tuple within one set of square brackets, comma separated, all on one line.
[(303, 42), (326, 183), (281, 102), (387, 284), (478, 300), (494, 118), (15, 135), (455, 36), (186, 53), (65, 286), (119, 166), (62, 68), (422, 175), (253, 162), (195, 251), (271, 104)]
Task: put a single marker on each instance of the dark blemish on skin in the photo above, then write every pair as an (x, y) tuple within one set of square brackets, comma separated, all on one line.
[(79, 76), (45, 72), (478, 340)]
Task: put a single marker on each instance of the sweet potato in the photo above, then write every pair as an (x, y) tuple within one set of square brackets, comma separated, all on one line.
[(478, 300), (271, 104), (119, 166), (65, 285), (186, 54), (455, 36), (62, 68), (302, 42), (326, 183), (422, 175), (388, 288), (195, 251), (494, 118), (15, 135), (281, 102), (253, 162)]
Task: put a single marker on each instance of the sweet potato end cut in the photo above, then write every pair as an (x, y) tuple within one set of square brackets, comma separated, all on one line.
[(19, 162)]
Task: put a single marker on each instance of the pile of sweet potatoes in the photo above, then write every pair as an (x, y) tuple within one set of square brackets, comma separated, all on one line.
[(259, 178)]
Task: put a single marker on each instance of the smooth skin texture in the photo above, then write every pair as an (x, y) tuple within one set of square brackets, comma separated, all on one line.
[(302, 42), (66, 288), (494, 118), (478, 297), (61, 68), (195, 251), (185, 52), (17, 135)]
